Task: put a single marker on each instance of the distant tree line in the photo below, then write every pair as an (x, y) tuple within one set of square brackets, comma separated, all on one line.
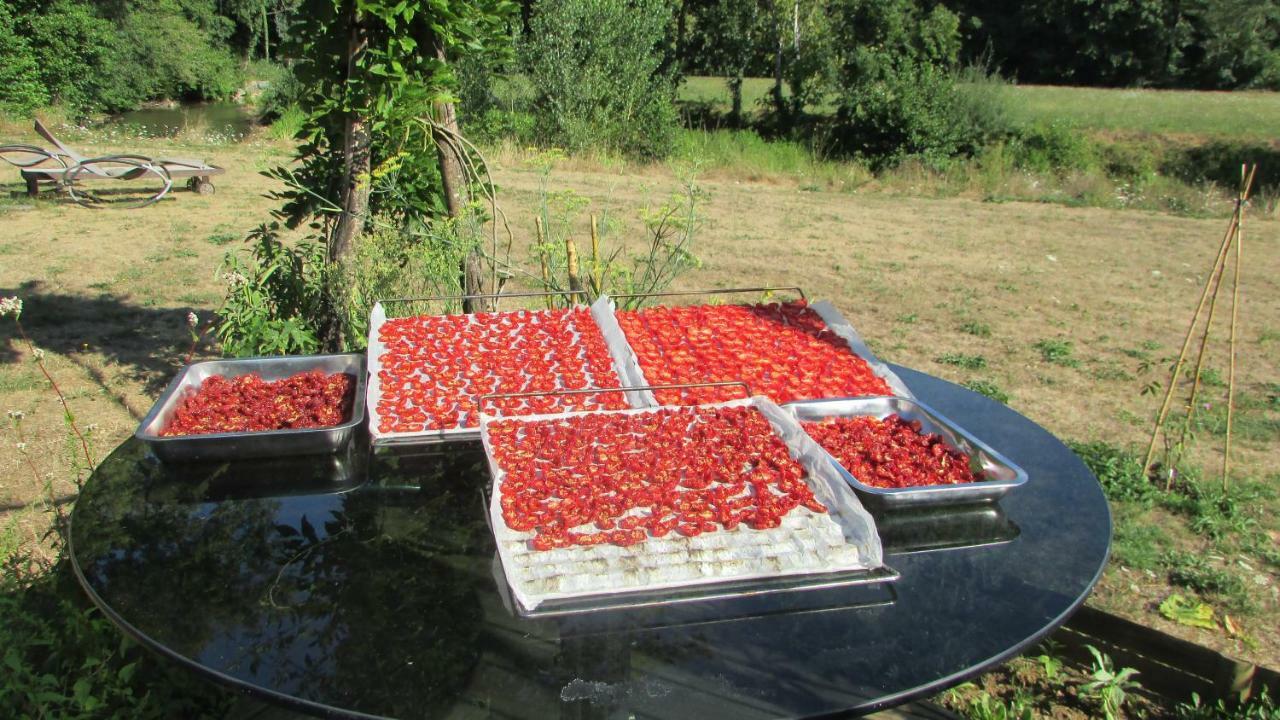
[(112, 55)]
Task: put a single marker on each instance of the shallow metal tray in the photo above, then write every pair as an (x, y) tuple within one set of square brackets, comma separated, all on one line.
[(271, 443), (1004, 474), (605, 310)]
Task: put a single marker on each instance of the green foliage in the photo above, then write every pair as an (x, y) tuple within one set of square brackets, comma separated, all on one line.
[(1210, 43), (1258, 707), (897, 91), (394, 263), (1195, 572), (274, 294), (1107, 685), (983, 706), (1119, 470), (1057, 351), (62, 659), (666, 252), (1052, 147), (977, 329), (599, 77), (961, 360), (21, 91), (988, 388)]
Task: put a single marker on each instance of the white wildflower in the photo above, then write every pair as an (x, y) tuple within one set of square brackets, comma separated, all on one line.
[(21, 446), (91, 427), (39, 353), (192, 319), (17, 414), (11, 306), (234, 279)]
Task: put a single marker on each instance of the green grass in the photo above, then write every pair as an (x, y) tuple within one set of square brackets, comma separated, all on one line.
[(1220, 115), (988, 388), (1057, 351), (1240, 115)]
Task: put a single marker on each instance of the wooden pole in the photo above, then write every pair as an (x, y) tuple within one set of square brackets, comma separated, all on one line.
[(1204, 344), (571, 263), (1246, 180), (597, 282)]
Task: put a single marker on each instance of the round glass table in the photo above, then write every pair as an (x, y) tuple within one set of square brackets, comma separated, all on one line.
[(364, 585)]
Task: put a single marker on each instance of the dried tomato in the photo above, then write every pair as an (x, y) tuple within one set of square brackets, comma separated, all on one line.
[(248, 403), (782, 350), (891, 453), (624, 477)]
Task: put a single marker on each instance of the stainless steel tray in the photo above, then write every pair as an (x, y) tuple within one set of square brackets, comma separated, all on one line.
[(1004, 474), (605, 310), (272, 443), (734, 599), (828, 484)]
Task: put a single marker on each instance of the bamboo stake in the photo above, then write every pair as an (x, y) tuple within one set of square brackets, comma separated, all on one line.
[(1246, 182), (571, 263), (1186, 344), (1204, 343), (597, 282)]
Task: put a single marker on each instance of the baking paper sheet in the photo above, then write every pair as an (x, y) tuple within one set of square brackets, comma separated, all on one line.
[(842, 540), (377, 317)]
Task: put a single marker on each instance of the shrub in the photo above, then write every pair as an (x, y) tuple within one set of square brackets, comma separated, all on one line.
[(596, 66), (274, 295), (898, 96), (21, 90), (1052, 147)]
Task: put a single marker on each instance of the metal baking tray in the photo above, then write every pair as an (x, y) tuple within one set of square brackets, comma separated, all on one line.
[(1004, 474), (378, 316), (270, 443), (629, 364), (828, 484), (698, 604)]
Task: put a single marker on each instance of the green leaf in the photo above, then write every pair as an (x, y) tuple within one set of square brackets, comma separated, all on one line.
[(1188, 612)]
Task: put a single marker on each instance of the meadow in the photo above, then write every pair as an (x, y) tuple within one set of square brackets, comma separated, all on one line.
[(1063, 310)]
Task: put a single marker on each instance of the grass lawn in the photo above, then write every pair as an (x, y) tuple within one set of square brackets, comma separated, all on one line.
[(1218, 115), (1053, 308)]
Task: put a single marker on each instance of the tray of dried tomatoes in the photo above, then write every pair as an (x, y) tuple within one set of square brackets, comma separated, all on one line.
[(592, 509), (785, 350), (898, 452), (258, 407), (428, 372)]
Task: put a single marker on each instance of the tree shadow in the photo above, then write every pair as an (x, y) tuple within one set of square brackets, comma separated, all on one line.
[(148, 342)]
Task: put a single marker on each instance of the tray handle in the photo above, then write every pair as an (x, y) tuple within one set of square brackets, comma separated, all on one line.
[(676, 293), (484, 296), (746, 389)]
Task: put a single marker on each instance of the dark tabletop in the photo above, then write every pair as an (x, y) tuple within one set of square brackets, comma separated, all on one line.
[(351, 587)]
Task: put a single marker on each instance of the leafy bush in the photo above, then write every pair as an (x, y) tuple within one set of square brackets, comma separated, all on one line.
[(597, 67), (274, 295), (1119, 470), (898, 96), (20, 88), (1052, 147)]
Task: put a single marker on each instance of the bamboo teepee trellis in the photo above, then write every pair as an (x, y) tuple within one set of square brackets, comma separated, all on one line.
[(1232, 240)]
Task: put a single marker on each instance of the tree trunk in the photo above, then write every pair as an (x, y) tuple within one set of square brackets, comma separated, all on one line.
[(454, 179), (735, 90), (356, 158), (682, 24), (779, 102)]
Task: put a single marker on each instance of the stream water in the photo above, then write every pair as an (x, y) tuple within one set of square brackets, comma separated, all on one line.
[(226, 119)]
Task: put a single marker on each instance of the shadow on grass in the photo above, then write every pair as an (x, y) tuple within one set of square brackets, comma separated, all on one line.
[(64, 659), (149, 343)]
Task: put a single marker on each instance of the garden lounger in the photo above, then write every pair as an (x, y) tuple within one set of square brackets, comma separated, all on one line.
[(67, 168)]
